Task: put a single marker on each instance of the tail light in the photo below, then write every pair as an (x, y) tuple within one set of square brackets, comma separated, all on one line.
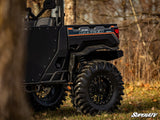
[(116, 32)]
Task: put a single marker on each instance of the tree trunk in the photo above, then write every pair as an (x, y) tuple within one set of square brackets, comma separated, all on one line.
[(13, 105), (70, 12)]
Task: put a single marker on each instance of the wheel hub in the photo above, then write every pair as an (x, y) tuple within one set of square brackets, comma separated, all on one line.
[(100, 90), (43, 92)]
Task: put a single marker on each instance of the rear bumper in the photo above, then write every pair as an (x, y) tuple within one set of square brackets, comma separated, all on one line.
[(100, 52)]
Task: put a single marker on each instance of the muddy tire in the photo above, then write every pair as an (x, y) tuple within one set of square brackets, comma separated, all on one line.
[(98, 88)]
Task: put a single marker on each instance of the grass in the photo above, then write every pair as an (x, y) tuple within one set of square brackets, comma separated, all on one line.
[(140, 97)]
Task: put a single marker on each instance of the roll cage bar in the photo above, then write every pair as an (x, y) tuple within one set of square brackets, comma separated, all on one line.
[(56, 7)]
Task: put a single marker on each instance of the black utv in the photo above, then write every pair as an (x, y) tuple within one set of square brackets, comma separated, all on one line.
[(75, 56)]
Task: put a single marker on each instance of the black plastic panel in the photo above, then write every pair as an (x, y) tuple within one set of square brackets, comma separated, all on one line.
[(42, 45)]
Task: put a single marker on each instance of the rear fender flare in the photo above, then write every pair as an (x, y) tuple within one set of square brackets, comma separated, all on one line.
[(91, 53)]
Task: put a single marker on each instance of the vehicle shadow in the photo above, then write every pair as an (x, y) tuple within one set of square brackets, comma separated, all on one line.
[(66, 111), (59, 113)]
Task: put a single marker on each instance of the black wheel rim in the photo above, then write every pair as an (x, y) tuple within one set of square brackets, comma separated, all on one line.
[(50, 98), (100, 89)]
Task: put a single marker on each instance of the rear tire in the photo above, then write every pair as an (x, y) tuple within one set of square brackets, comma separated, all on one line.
[(98, 88)]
